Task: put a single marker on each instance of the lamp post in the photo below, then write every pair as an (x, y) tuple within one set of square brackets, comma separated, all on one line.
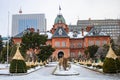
[(8, 40), (7, 50)]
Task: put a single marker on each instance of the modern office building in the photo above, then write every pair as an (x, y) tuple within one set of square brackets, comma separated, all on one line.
[(20, 22), (109, 26)]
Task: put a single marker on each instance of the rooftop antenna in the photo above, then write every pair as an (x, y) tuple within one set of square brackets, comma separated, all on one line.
[(59, 9), (78, 18), (20, 11)]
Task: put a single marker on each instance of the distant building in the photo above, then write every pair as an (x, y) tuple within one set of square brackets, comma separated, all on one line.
[(70, 43), (4, 40), (109, 26), (20, 22)]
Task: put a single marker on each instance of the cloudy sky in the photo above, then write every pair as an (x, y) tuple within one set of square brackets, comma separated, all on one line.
[(72, 10)]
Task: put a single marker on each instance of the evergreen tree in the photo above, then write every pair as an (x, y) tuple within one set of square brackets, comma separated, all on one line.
[(1, 44), (33, 40), (102, 51), (46, 52), (109, 66), (118, 64), (11, 51), (116, 46), (91, 50)]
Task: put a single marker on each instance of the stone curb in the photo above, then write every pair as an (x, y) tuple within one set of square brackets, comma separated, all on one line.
[(54, 70)]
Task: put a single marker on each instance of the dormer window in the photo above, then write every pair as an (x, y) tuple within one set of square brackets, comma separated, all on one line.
[(75, 34), (60, 21), (96, 31), (60, 31)]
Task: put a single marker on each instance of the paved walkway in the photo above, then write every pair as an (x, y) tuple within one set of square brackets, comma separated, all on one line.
[(46, 74)]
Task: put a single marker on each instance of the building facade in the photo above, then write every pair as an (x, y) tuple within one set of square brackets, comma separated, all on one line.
[(20, 22), (109, 26), (71, 43)]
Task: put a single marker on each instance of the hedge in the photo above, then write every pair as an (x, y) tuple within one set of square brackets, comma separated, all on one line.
[(18, 66), (109, 65)]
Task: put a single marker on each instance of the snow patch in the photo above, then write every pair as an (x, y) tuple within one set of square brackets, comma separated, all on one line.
[(68, 72)]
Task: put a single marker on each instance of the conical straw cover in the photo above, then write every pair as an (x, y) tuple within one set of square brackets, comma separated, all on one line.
[(18, 55), (111, 53)]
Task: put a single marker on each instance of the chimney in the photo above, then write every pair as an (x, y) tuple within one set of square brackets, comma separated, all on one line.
[(82, 32), (88, 28), (31, 29), (89, 19)]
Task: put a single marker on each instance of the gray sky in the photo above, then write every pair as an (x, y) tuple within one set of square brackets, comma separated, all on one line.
[(72, 10)]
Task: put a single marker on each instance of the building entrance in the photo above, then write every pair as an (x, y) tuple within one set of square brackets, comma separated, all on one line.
[(60, 54)]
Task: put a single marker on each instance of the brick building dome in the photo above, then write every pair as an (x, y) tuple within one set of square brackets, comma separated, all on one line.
[(59, 19)]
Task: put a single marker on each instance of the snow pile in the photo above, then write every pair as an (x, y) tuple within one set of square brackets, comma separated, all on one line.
[(34, 69), (4, 65), (68, 72), (4, 69)]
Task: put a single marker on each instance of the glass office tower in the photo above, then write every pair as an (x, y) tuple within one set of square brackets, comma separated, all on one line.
[(20, 22)]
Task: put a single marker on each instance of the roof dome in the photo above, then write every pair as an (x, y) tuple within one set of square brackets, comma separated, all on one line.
[(59, 19)]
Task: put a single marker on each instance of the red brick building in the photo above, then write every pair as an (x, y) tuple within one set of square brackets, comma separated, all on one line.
[(72, 44)]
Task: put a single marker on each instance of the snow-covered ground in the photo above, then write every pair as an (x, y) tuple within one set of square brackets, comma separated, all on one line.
[(4, 69), (45, 73)]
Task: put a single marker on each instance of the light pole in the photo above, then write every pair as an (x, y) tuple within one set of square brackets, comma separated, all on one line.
[(7, 50), (8, 40)]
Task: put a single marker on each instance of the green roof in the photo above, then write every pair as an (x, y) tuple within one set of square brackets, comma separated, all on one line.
[(59, 19)]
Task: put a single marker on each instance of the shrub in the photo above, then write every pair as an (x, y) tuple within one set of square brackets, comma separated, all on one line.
[(18, 66), (44, 63), (75, 61), (89, 65), (81, 63), (41, 64), (94, 65), (28, 67), (118, 64), (109, 65), (33, 66), (99, 66)]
